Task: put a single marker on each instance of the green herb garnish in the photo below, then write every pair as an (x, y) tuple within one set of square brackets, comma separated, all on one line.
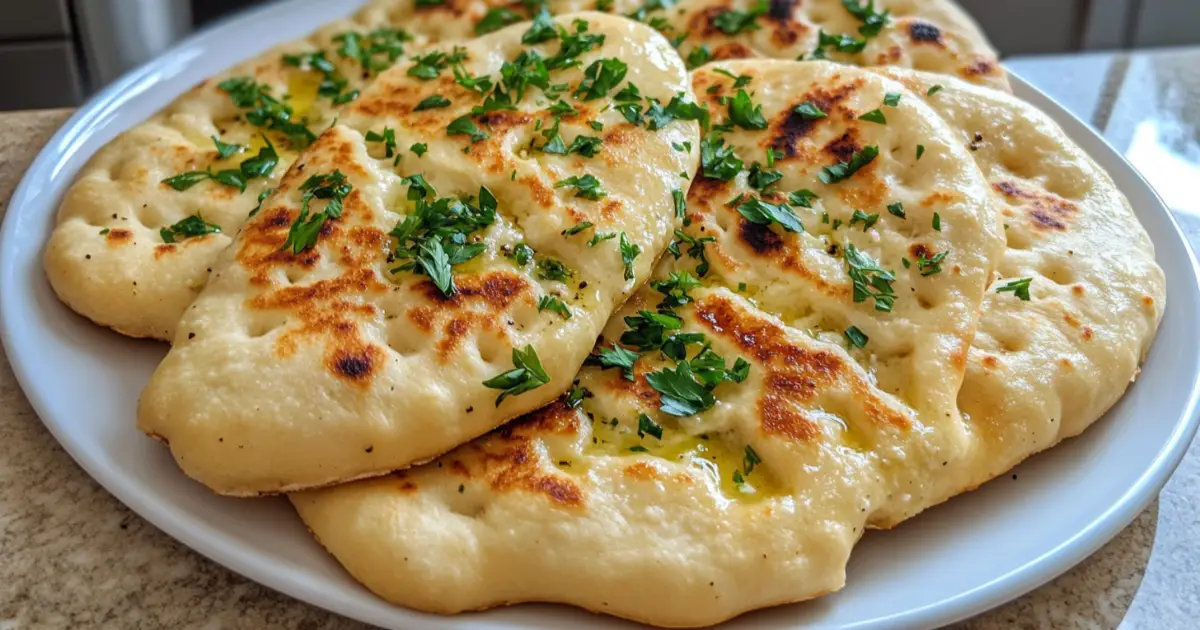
[(527, 374), (186, 228)]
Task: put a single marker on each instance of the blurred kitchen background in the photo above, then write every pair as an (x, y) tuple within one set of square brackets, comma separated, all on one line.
[(54, 53)]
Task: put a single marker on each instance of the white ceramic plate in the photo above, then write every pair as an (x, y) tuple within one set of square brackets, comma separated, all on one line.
[(956, 560)]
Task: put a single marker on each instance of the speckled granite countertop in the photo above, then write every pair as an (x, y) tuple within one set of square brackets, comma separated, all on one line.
[(71, 555)]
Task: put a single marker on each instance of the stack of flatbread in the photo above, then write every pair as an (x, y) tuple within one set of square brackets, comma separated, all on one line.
[(652, 309)]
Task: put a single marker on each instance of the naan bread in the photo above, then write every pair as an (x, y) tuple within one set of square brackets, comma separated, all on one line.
[(1043, 370), (618, 500), (931, 35), (294, 370), (107, 259)]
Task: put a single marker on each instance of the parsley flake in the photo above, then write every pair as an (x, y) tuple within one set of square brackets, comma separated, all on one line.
[(875, 116), (1018, 287), (527, 374), (186, 228), (554, 305), (615, 357), (856, 337), (744, 113), (600, 78), (432, 102), (629, 252), (763, 213), (464, 126), (869, 279), (809, 111), (733, 22), (931, 265), (587, 187), (843, 170)]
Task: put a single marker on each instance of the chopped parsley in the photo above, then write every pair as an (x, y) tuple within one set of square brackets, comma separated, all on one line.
[(733, 22), (602, 76), (436, 236), (875, 116), (809, 111), (891, 99), (867, 220), (587, 187), (937, 221), (873, 21), (464, 126), (931, 265), (698, 56), (629, 252), (225, 150), (680, 203), (842, 43), (375, 52), (266, 111), (521, 254), (803, 198), (843, 170), (331, 187), (186, 228), (552, 269), (574, 45), (577, 228), (718, 161), (542, 29), (750, 460), (920, 150), (436, 101), (646, 426), (388, 138), (744, 113), (1018, 287), (760, 178), (554, 305), (600, 237), (695, 249), (430, 65), (896, 209), (332, 84), (675, 289), (497, 18), (419, 148), (261, 164), (575, 396), (615, 357), (869, 279), (687, 389), (933, 90), (527, 374), (856, 337), (761, 212), (528, 69), (658, 116)]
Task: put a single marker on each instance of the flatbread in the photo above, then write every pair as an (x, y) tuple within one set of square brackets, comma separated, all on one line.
[(1043, 370), (108, 261), (300, 369), (617, 501), (930, 35)]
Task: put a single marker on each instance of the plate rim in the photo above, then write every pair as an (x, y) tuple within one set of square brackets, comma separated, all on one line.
[(1004, 588)]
